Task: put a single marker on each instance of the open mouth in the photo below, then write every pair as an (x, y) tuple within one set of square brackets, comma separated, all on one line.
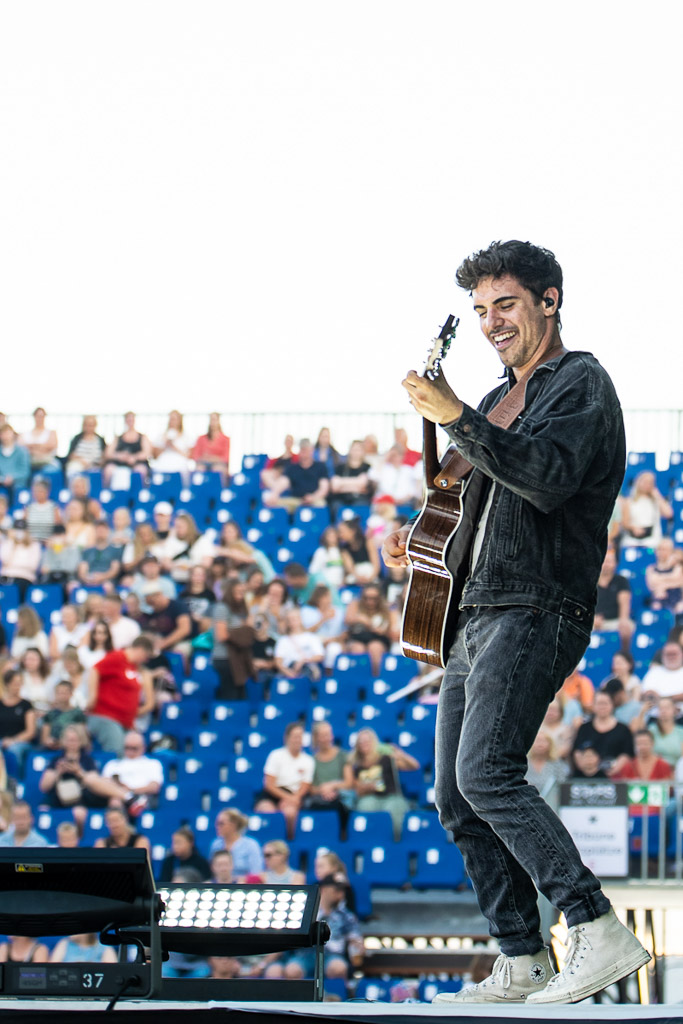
[(503, 339)]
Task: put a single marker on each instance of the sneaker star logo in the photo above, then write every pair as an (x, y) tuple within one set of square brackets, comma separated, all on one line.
[(537, 973)]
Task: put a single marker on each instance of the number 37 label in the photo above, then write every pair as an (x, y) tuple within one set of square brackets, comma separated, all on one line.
[(92, 980)]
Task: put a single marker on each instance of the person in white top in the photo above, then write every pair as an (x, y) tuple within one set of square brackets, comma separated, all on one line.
[(666, 680), (67, 633), (141, 776), (288, 774), (172, 448), (298, 652), (40, 441), (123, 629)]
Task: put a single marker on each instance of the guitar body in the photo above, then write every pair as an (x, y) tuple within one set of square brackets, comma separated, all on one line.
[(430, 613)]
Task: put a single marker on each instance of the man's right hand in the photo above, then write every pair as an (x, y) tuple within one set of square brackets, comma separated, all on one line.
[(394, 548)]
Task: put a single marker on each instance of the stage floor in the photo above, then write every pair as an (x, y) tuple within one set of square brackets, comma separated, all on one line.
[(24, 1011)]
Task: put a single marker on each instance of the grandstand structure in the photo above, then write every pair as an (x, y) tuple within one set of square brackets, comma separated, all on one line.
[(213, 752)]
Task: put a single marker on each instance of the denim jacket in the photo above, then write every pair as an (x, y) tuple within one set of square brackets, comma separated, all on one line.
[(557, 472)]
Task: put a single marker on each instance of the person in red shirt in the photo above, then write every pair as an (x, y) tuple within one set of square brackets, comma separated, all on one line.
[(119, 691), (646, 766)]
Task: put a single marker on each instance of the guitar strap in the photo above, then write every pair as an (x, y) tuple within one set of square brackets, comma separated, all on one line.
[(503, 415)]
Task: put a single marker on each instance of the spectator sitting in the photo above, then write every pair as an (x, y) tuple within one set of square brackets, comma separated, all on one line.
[(86, 450), (233, 640), (646, 765), (328, 787), (183, 854), (34, 686), (68, 836), (130, 451), (41, 513), (224, 967), (410, 457), (666, 680), (61, 714), (189, 548), (68, 632), (95, 644), (101, 564), (246, 852), (122, 835), (372, 626), (359, 557), (393, 477), (168, 622), (121, 629), (41, 443), (15, 464), (241, 555), (625, 710), (172, 448), (23, 949), (118, 691), (275, 467), (298, 652), (59, 562), (623, 664), (372, 772), (29, 633), (278, 869), (579, 688), (139, 777), (199, 599), (643, 511), (273, 605), (122, 531), (304, 482), (287, 776), (327, 563), (79, 529), (17, 717), (82, 949), (659, 716), (222, 867), (211, 451), (545, 769), (70, 670), (72, 778), (20, 557), (325, 452), (613, 608), (587, 763), (322, 617), (561, 726), (150, 572), (350, 482), (21, 831), (664, 578), (612, 739), (139, 549), (299, 582), (6, 520)]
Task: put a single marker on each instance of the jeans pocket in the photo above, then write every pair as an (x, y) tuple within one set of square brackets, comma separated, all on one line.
[(570, 646)]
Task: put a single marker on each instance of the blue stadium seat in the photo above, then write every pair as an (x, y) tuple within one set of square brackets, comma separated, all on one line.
[(637, 462), (110, 500), (273, 717), (229, 718), (316, 828), (312, 520), (421, 829), (94, 828), (336, 988), (266, 827), (385, 865), (635, 831), (246, 484), (203, 672), (439, 866), (265, 542), (299, 688), (181, 720), (47, 821), (352, 666), (374, 989), (165, 486), (432, 986), (398, 670), (361, 512), (195, 504), (382, 718), (597, 661), (341, 690), (209, 485), (421, 717), (273, 522), (253, 463), (367, 829), (47, 599)]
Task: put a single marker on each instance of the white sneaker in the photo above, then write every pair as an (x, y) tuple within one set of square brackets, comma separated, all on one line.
[(600, 952), (512, 979)]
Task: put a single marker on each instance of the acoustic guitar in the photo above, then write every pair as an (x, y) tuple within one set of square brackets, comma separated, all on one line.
[(431, 607)]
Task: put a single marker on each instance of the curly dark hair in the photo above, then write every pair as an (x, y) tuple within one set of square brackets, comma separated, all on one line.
[(534, 267)]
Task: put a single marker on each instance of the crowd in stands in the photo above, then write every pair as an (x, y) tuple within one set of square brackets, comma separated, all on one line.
[(183, 646)]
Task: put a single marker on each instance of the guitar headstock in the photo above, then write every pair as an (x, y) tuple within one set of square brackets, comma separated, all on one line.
[(439, 348)]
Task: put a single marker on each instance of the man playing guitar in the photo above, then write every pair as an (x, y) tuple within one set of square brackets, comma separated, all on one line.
[(547, 486)]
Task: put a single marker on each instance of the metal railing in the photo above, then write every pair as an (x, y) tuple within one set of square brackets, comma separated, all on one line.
[(653, 430)]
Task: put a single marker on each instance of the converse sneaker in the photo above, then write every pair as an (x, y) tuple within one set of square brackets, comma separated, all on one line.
[(600, 952), (512, 979)]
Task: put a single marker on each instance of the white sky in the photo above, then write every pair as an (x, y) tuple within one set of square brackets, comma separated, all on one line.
[(260, 205)]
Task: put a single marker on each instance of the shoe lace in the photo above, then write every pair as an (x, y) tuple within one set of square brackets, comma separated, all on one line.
[(501, 971), (578, 946)]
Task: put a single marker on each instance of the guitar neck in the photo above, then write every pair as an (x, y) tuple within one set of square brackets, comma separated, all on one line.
[(429, 453)]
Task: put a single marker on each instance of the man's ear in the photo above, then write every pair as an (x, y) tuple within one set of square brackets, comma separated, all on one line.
[(550, 299)]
